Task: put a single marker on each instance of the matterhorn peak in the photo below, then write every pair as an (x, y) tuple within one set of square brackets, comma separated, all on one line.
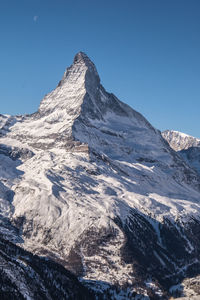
[(82, 69), (82, 57), (80, 96)]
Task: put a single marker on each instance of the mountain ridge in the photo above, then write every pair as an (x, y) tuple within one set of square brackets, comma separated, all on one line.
[(179, 140), (186, 146)]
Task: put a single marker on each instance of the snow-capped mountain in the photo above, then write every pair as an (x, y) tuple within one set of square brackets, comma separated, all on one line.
[(90, 183), (180, 141), (187, 146)]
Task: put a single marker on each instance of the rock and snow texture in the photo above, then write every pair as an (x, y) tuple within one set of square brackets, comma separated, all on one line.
[(187, 146), (180, 141), (27, 276), (88, 182)]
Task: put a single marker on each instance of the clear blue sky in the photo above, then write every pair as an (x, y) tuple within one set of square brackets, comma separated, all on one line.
[(147, 52)]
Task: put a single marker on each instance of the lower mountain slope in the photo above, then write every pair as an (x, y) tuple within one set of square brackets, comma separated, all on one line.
[(27, 276)]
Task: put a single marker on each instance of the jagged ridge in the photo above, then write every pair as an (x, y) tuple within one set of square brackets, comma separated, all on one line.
[(187, 147)]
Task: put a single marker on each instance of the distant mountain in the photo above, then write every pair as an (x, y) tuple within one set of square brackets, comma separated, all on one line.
[(187, 146), (88, 182), (180, 141)]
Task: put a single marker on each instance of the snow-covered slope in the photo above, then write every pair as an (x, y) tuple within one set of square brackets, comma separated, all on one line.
[(180, 141), (94, 186), (187, 146)]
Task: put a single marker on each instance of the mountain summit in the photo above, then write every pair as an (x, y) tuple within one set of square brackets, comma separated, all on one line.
[(88, 182), (82, 58), (79, 108), (82, 66)]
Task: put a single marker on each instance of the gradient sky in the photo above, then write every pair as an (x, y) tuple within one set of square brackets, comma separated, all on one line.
[(147, 53)]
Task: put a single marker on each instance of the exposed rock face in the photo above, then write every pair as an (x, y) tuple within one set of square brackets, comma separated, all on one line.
[(186, 146), (96, 188)]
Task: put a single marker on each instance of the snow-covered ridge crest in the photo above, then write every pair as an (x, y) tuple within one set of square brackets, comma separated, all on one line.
[(180, 141), (188, 147)]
